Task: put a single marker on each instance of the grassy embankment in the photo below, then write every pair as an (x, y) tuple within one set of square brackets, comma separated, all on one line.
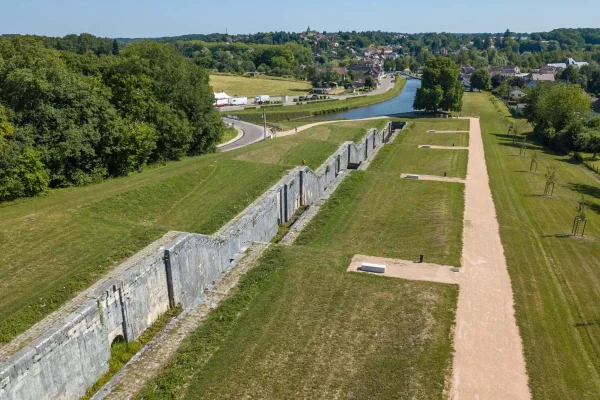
[(300, 326), (228, 134), (278, 114), (555, 277), (255, 86), (56, 245)]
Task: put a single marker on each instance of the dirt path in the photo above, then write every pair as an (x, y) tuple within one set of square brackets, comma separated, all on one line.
[(410, 270), (305, 127), (430, 146), (434, 131), (488, 359), (433, 178)]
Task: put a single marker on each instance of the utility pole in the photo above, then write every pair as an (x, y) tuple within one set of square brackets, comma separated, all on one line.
[(265, 124)]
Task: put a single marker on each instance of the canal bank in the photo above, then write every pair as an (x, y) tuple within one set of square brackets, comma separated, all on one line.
[(398, 105), (292, 114)]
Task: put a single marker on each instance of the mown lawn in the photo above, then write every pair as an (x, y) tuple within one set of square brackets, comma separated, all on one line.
[(55, 245), (300, 326), (255, 86), (419, 135), (404, 156), (555, 278)]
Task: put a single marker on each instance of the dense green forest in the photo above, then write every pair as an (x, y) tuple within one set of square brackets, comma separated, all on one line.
[(92, 110)]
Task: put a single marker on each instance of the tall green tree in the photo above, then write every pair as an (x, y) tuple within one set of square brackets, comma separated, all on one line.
[(557, 112), (115, 47), (441, 88), (481, 79)]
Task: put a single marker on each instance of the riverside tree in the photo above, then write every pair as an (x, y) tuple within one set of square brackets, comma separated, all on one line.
[(441, 88)]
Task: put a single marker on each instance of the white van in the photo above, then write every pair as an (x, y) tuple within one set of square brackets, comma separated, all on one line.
[(239, 101)]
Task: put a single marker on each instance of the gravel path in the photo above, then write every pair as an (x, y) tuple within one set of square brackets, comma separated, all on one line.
[(488, 360)]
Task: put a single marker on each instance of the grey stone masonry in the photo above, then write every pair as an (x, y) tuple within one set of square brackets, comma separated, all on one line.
[(73, 352)]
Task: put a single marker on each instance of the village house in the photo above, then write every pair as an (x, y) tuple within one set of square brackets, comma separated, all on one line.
[(516, 94), (508, 70), (535, 79)]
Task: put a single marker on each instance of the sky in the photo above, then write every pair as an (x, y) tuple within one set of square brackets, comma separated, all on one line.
[(152, 18)]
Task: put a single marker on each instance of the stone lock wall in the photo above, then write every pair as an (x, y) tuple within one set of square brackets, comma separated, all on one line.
[(72, 355)]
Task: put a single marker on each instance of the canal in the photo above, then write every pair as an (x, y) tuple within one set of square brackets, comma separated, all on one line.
[(401, 104)]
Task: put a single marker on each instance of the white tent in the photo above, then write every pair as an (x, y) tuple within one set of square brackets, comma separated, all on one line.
[(222, 99)]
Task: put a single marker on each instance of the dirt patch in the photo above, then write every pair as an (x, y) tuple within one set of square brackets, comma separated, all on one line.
[(410, 270)]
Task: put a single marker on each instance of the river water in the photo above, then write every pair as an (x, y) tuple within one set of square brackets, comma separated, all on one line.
[(401, 104)]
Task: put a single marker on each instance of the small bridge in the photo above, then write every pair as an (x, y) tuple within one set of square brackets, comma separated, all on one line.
[(407, 75)]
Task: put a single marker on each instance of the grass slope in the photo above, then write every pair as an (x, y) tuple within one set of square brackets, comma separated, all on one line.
[(300, 326), (55, 245), (555, 279), (255, 86)]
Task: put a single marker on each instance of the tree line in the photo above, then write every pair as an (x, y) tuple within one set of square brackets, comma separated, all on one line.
[(559, 113), (70, 119)]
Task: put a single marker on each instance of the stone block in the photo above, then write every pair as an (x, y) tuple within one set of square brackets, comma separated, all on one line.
[(370, 267)]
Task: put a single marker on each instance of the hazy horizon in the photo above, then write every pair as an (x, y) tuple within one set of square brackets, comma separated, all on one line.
[(129, 19)]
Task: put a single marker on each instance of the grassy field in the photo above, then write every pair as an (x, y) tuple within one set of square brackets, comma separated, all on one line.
[(406, 154), (255, 86), (228, 134), (300, 326), (55, 245), (289, 113), (555, 278)]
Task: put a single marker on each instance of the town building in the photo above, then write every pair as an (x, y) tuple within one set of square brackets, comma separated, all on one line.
[(535, 79)]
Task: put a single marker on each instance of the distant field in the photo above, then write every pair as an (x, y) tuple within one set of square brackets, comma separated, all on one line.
[(252, 87), (300, 326), (555, 278), (55, 245)]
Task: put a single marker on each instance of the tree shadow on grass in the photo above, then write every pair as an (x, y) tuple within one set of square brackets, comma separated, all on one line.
[(593, 206), (585, 189), (557, 235)]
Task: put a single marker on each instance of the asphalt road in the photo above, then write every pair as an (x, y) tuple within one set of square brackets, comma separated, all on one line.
[(252, 133)]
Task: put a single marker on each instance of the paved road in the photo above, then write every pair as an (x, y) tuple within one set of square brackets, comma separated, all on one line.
[(252, 133)]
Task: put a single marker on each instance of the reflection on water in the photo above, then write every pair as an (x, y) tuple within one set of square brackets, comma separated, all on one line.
[(401, 104)]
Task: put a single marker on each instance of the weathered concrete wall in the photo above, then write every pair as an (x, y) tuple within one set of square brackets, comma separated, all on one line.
[(74, 354)]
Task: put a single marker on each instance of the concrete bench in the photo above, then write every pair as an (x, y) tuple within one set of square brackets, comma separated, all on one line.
[(412, 176), (369, 267)]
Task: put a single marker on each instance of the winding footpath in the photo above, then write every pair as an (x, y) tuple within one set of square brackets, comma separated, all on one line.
[(488, 359)]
